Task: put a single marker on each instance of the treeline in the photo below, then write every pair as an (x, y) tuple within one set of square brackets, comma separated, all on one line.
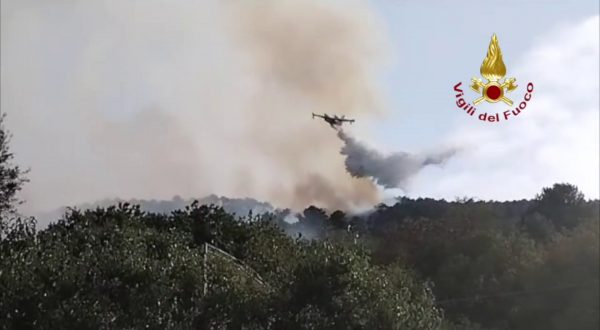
[(419, 264), (120, 268), (530, 264)]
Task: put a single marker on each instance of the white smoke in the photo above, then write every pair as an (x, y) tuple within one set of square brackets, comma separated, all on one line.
[(556, 139), (143, 99)]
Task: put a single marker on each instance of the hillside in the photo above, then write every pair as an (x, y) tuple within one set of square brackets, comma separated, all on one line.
[(418, 264)]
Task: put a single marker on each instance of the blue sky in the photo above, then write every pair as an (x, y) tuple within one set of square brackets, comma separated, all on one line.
[(435, 44)]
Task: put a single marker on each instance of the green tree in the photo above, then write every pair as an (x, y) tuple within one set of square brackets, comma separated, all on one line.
[(563, 292), (12, 178), (561, 204), (118, 267)]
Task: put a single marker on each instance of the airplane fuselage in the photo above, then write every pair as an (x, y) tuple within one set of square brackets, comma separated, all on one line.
[(334, 121)]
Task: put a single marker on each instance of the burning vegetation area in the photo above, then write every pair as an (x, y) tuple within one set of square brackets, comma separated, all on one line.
[(417, 264), (214, 98)]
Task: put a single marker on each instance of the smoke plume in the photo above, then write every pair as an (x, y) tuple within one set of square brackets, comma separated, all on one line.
[(112, 99), (389, 171)]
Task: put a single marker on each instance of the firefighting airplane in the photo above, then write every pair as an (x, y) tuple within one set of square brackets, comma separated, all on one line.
[(334, 121)]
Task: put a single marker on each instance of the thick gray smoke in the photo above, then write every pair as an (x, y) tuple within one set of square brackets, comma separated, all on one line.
[(389, 171)]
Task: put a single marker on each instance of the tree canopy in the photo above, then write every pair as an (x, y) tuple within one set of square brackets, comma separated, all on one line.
[(417, 264)]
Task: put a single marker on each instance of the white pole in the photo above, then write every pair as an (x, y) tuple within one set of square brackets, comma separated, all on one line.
[(205, 264)]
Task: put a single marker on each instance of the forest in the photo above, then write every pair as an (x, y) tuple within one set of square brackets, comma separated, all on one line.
[(416, 264)]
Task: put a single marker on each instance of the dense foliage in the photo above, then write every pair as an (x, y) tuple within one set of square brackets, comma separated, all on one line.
[(418, 264), (122, 268), (477, 265), (11, 180)]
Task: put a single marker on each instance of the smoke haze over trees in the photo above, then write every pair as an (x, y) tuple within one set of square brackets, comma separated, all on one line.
[(218, 103), (417, 264), (213, 98)]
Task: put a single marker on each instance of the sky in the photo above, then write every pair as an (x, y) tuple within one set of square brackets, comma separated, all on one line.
[(151, 99), (435, 44)]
